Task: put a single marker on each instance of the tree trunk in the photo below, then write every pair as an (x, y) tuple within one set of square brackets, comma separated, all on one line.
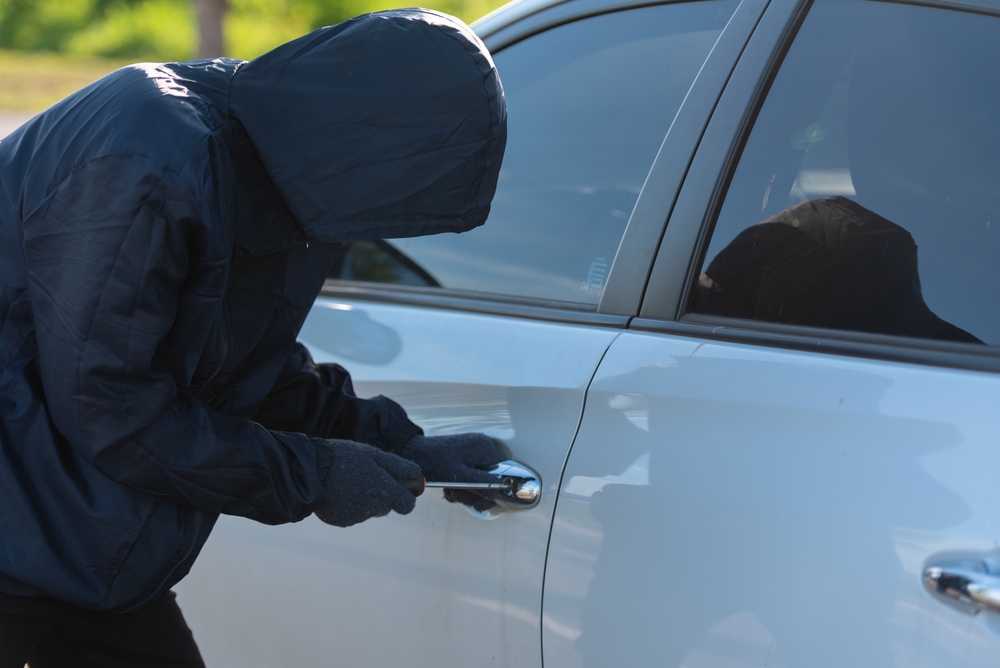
[(210, 17)]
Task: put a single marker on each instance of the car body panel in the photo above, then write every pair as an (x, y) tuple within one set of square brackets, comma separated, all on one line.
[(746, 494), (733, 505), (441, 585)]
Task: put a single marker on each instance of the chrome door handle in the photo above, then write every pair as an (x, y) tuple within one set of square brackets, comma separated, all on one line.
[(517, 487), (966, 584)]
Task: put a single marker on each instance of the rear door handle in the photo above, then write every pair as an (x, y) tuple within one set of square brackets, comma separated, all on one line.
[(965, 582)]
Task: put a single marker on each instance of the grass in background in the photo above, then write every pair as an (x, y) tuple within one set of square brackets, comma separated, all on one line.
[(31, 81)]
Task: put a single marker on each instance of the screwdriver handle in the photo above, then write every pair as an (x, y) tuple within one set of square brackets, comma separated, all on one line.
[(415, 485), (504, 485)]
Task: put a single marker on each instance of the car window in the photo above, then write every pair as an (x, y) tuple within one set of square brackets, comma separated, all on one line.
[(867, 197), (588, 106), (380, 262)]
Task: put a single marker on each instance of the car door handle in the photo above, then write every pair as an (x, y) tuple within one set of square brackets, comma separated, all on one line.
[(966, 584), (517, 486)]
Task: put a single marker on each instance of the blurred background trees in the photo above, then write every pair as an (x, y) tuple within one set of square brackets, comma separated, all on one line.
[(168, 29), (211, 26)]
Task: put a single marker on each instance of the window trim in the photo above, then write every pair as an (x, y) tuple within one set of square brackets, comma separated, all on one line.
[(563, 13), (686, 237), (515, 22), (627, 280), (505, 16), (973, 7), (676, 264), (927, 352), (472, 302)]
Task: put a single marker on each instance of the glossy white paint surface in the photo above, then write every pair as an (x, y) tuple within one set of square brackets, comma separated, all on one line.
[(728, 506), (439, 586)]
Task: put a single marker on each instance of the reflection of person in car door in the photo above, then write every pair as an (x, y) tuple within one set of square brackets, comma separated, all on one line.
[(163, 234), (823, 263)]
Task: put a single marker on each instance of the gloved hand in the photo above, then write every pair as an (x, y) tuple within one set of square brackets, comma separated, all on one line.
[(361, 482), (454, 459)]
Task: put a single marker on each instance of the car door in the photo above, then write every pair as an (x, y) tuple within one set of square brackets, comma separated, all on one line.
[(498, 330), (790, 458)]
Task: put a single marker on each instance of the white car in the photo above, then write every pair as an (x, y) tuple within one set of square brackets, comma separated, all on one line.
[(765, 434)]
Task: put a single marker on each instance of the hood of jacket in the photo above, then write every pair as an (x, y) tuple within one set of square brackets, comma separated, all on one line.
[(391, 124)]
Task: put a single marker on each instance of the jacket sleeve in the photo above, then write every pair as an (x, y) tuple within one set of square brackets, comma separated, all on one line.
[(319, 400), (110, 256)]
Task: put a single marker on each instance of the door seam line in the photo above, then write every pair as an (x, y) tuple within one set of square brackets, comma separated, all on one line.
[(555, 503)]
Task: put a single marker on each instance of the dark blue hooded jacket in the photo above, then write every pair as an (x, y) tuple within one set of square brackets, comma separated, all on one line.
[(163, 234)]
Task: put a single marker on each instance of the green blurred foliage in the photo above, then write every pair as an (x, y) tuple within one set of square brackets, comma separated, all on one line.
[(151, 29), (43, 24), (256, 26), (166, 29)]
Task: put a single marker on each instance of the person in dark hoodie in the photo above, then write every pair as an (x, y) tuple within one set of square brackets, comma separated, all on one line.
[(163, 234)]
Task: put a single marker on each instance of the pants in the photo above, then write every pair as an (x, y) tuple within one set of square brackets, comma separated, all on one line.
[(155, 636)]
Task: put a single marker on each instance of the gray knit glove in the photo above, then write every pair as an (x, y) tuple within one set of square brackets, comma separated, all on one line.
[(360, 481), (457, 458)]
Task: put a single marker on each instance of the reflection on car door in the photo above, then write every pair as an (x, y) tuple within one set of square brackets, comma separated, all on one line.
[(765, 506), (773, 479)]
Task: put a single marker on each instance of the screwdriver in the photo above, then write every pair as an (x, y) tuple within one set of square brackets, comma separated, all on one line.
[(417, 485)]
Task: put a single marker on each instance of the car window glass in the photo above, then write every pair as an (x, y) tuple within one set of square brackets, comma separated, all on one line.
[(867, 197), (588, 106)]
